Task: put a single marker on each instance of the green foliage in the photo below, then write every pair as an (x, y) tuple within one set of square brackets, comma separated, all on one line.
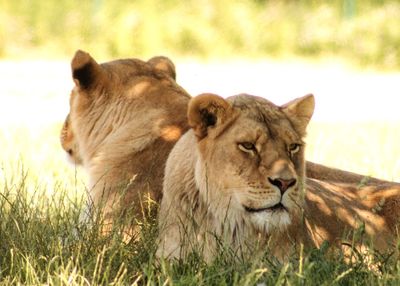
[(364, 32)]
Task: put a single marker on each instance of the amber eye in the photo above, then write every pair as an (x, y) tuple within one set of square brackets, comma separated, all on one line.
[(294, 148), (247, 147)]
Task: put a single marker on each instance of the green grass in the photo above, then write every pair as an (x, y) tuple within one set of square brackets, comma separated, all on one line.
[(363, 32), (44, 241)]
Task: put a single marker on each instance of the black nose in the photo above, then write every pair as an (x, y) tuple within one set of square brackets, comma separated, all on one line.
[(282, 184)]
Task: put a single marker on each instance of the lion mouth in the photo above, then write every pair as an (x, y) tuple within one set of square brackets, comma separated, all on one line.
[(276, 207)]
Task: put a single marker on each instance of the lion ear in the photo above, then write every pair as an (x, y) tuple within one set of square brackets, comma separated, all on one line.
[(207, 111), (300, 111), (86, 72), (163, 64)]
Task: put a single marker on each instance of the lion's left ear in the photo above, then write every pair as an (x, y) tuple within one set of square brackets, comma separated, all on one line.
[(300, 111), (207, 111)]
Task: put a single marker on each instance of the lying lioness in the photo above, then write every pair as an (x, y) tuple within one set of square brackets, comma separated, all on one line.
[(237, 179)]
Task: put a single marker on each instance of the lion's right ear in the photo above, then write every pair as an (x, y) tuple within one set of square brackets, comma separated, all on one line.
[(85, 70), (207, 111), (164, 64), (300, 111)]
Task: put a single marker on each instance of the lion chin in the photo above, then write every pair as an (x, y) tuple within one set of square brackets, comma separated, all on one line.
[(271, 219)]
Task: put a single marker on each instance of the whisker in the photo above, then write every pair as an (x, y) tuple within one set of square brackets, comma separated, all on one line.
[(249, 188)]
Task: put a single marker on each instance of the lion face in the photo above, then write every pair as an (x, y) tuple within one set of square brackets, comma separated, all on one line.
[(68, 142), (251, 157)]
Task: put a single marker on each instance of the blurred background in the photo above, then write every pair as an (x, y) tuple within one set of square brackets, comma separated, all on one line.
[(346, 52), (364, 32)]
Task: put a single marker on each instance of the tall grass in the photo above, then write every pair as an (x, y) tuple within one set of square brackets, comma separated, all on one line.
[(360, 31), (43, 239)]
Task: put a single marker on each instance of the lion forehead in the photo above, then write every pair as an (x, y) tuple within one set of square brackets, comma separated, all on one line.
[(157, 68), (263, 119)]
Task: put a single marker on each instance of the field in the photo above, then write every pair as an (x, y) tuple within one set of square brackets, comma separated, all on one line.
[(43, 241)]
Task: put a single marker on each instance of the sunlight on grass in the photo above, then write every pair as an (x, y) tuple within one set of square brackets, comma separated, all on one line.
[(35, 153), (367, 148)]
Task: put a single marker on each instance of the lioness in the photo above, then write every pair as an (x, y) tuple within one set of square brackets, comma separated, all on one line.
[(237, 178), (125, 116)]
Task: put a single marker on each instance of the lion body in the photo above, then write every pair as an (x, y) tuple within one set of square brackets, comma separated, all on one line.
[(214, 195), (122, 121)]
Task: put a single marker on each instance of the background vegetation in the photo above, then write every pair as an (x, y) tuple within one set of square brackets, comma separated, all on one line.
[(366, 32)]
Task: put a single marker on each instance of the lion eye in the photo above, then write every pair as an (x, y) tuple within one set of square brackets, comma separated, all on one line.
[(247, 147), (294, 148)]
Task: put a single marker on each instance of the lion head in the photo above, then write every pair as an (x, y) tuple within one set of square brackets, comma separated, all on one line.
[(239, 173), (67, 137), (121, 126)]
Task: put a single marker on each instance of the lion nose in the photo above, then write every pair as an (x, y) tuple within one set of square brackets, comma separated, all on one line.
[(282, 184)]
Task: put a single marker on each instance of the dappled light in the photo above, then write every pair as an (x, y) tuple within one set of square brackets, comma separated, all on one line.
[(171, 133)]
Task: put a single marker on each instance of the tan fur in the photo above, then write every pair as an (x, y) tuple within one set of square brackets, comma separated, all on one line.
[(121, 127), (213, 185)]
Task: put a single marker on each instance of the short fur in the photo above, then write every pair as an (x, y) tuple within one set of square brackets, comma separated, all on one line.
[(125, 116), (237, 178)]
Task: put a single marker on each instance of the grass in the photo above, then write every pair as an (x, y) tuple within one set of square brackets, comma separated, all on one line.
[(44, 241), (363, 32)]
